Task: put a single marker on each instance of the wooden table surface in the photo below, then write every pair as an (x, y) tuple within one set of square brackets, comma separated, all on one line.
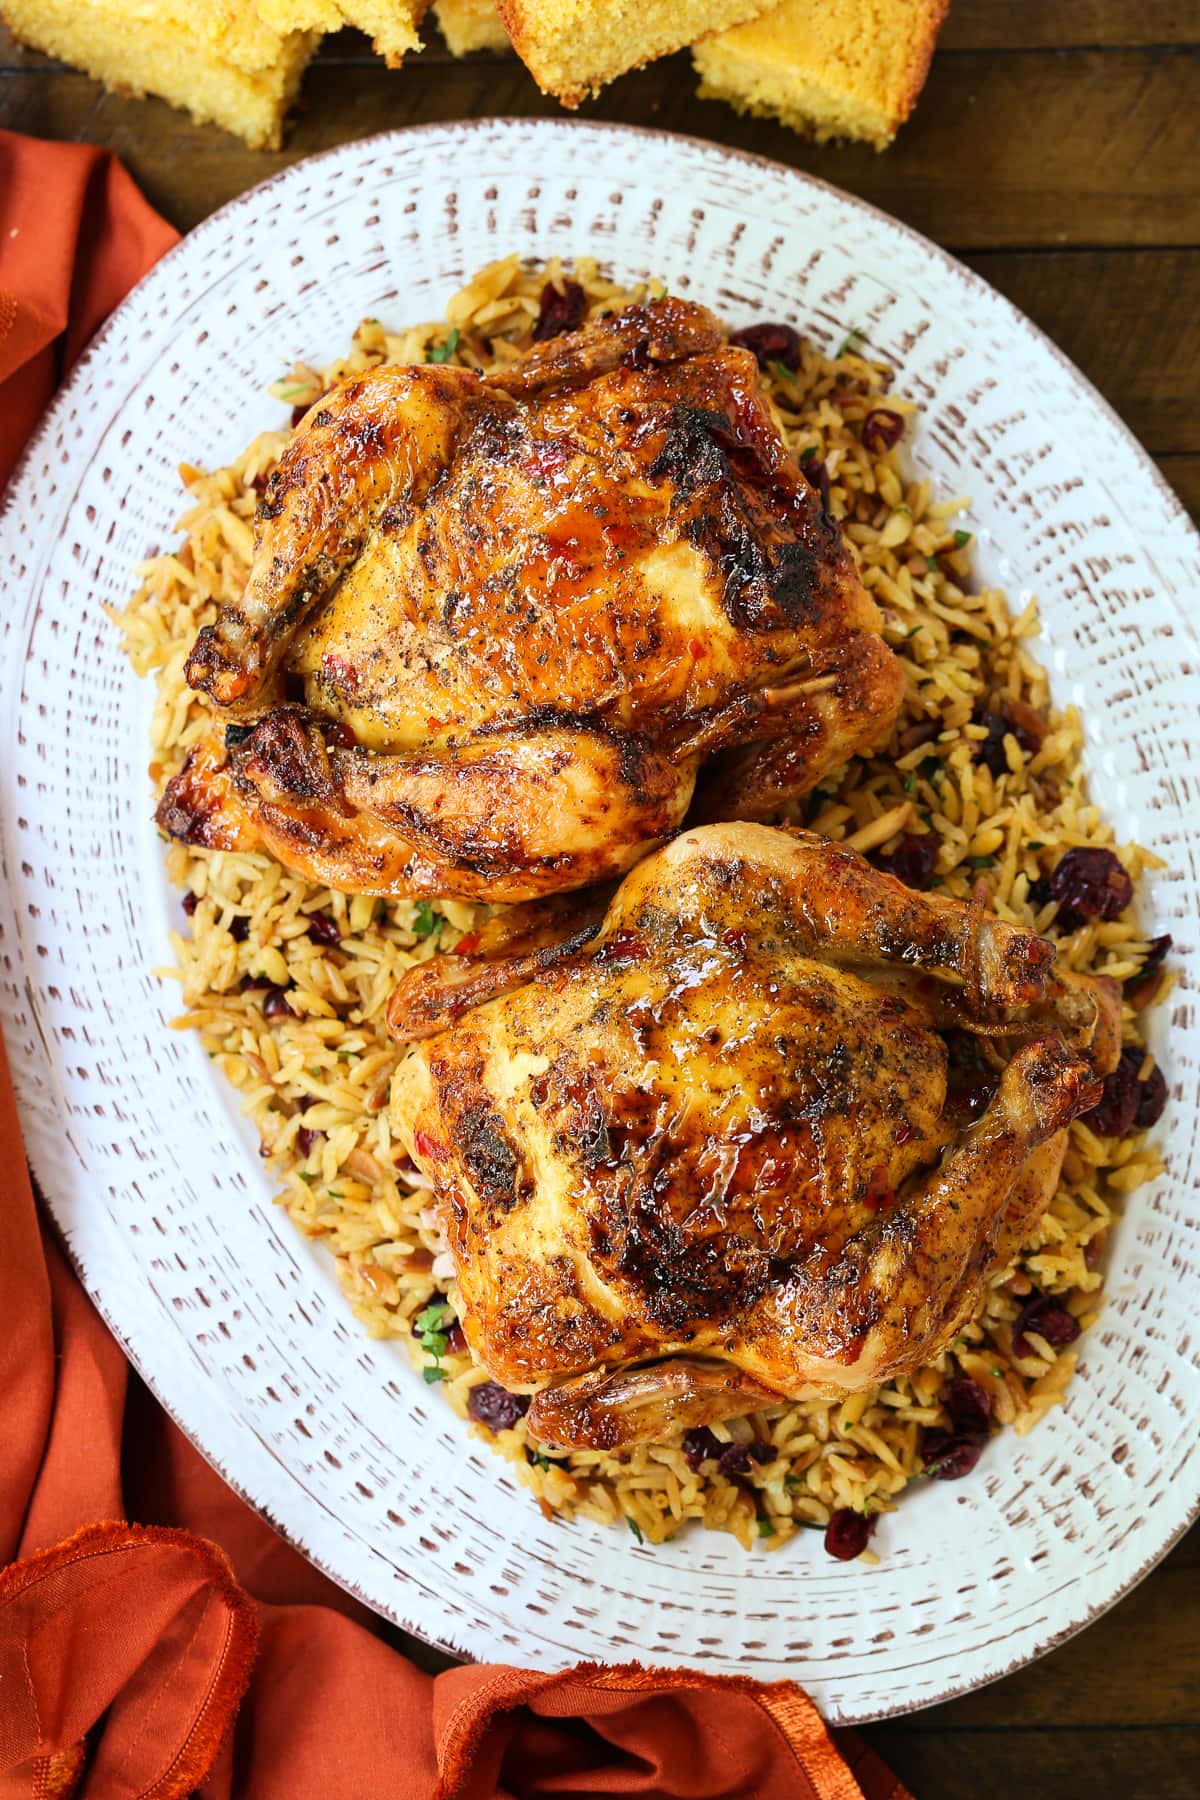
[(1056, 150)]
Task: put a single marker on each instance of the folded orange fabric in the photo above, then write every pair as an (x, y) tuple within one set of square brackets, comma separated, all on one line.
[(154, 1662), (76, 234)]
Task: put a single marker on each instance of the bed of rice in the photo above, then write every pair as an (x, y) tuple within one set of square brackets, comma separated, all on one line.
[(316, 1084)]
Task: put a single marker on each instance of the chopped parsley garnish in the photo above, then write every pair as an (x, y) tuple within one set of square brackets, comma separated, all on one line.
[(961, 538), (424, 919), (431, 1324), (766, 1528), (931, 563), (542, 1462), (854, 332), (781, 372), (981, 862), (792, 1484), (443, 352), (910, 781), (1035, 844), (808, 452), (635, 1528)]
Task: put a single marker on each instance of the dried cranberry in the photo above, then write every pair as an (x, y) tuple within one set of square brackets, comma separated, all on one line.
[(848, 1533), (760, 1452), (298, 413), (1049, 1318), (491, 1405), (275, 1006), (189, 903), (1039, 892), (969, 1405), (949, 1457), (770, 343), (913, 861), (970, 1078), (560, 310), (1152, 1097), (1092, 882), (882, 430), (734, 1459), (990, 750), (305, 1139), (456, 1340), (700, 1445), (1117, 1107), (1151, 964), (322, 929), (239, 930), (817, 476)]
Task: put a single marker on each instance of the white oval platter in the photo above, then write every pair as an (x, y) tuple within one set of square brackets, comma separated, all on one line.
[(236, 1321)]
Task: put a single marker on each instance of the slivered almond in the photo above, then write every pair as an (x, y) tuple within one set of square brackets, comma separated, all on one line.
[(869, 837), (361, 1162)]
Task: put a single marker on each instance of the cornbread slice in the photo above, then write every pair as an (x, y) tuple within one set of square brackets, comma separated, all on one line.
[(392, 25), (572, 47), (851, 69), (214, 58), (470, 25)]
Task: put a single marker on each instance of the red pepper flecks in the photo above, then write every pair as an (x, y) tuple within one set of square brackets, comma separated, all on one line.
[(429, 1147), (622, 946), (880, 1193)]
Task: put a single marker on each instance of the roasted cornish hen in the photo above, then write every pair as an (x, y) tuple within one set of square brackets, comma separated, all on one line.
[(526, 611), (713, 1150)]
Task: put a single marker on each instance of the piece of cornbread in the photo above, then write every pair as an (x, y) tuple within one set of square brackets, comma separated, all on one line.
[(392, 25), (573, 47), (470, 25), (215, 58), (850, 69)]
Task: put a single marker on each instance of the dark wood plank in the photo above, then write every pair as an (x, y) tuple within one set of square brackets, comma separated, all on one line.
[(1031, 149), (1183, 474), (1135, 1666), (972, 25), (1042, 1765), (1131, 321), (1073, 24)]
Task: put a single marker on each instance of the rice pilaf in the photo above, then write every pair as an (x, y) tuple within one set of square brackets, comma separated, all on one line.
[(287, 982)]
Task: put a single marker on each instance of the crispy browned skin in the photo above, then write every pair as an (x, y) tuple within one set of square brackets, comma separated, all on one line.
[(525, 610), (723, 1130)]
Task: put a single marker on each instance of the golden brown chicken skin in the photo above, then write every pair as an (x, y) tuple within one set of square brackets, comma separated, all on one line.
[(525, 613), (714, 1151)]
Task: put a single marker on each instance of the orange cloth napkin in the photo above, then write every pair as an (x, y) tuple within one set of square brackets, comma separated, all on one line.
[(196, 1653)]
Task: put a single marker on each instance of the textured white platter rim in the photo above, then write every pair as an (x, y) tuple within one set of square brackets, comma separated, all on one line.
[(235, 1320)]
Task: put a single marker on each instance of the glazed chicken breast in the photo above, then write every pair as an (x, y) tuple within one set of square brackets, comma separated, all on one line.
[(497, 627), (716, 1149)]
